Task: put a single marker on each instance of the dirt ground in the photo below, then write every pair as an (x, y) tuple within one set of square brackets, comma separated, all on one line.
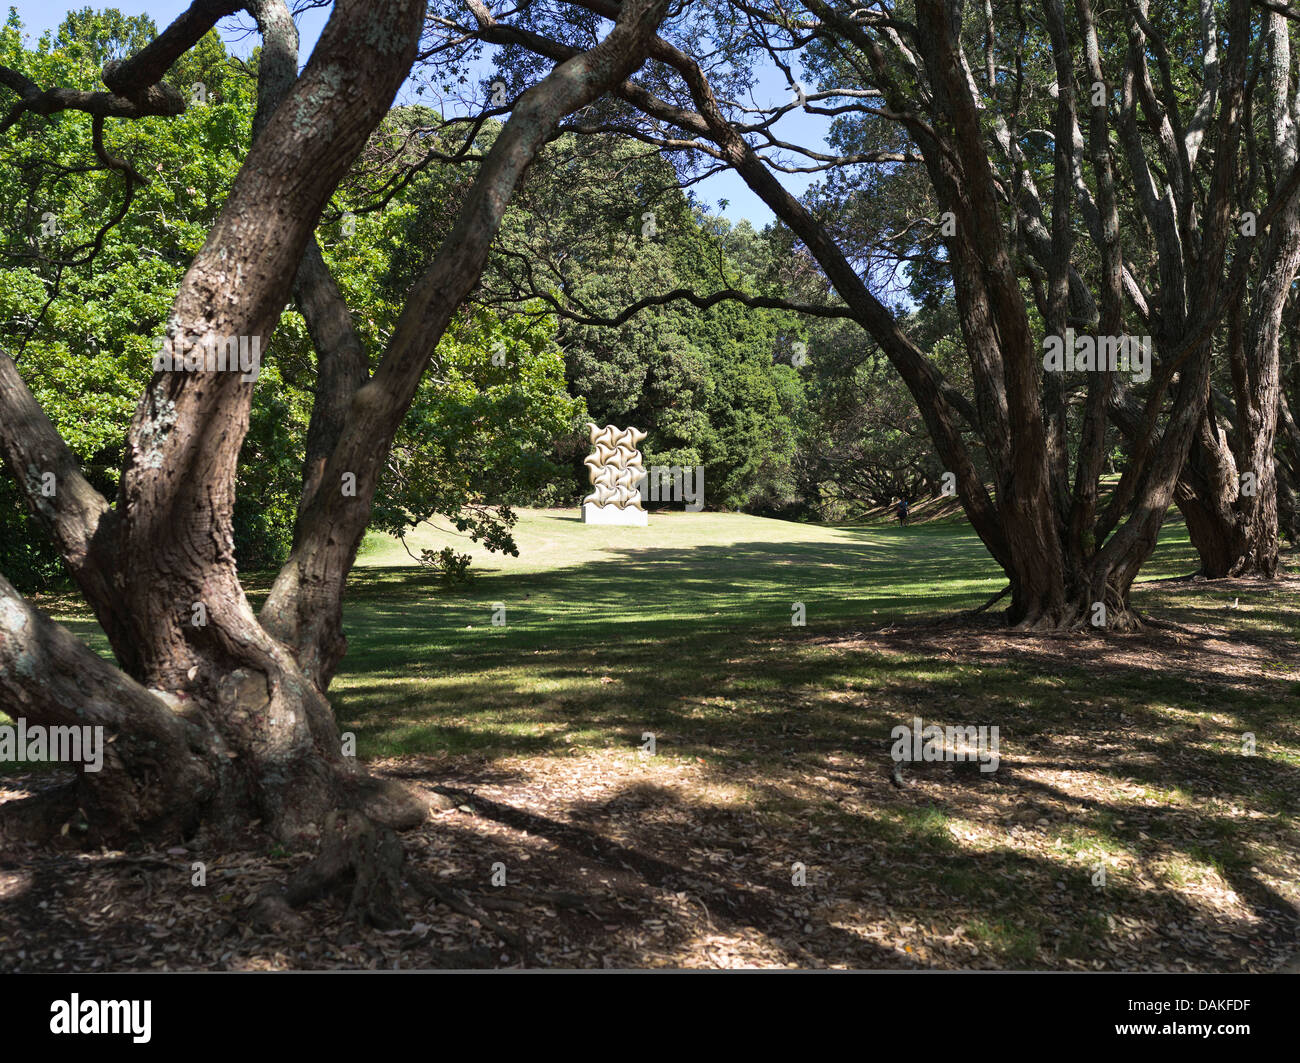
[(617, 859)]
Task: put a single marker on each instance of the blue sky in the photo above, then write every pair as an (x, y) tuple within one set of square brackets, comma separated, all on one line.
[(796, 127)]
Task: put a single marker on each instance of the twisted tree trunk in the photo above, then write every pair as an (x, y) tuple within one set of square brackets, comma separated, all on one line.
[(219, 719), (215, 721)]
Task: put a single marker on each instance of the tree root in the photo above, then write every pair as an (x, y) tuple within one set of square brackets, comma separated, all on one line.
[(457, 902), (359, 859), (1122, 620), (388, 802), (981, 608)]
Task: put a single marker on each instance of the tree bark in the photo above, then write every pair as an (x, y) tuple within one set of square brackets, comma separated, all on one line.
[(1229, 491), (1061, 562), (219, 718), (159, 569)]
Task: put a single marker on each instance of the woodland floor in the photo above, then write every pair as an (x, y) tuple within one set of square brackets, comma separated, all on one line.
[(772, 747)]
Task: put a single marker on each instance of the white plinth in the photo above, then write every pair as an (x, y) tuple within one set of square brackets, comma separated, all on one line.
[(594, 514)]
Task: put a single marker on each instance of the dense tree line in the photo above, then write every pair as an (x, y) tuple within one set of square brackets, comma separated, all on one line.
[(501, 424)]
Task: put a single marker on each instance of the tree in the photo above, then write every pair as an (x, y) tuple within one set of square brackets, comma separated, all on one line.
[(601, 222), (81, 330), (1017, 268), (1232, 504), (220, 715)]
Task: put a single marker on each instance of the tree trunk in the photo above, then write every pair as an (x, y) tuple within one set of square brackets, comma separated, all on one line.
[(1230, 498), (249, 735), (220, 720)]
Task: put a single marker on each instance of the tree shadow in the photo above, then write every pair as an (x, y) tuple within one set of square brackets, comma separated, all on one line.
[(696, 647)]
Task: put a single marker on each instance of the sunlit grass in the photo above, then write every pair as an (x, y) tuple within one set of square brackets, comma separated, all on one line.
[(683, 630)]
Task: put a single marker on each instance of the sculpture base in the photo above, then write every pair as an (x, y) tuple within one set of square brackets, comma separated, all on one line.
[(594, 514)]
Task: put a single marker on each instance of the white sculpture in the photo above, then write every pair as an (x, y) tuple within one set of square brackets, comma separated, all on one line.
[(616, 472)]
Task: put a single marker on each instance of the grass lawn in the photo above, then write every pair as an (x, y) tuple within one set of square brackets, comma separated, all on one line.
[(1124, 828), (657, 610), (654, 611)]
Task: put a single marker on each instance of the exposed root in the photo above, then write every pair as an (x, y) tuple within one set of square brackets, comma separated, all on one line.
[(457, 902), (981, 608), (388, 802), (1121, 619), (359, 859)]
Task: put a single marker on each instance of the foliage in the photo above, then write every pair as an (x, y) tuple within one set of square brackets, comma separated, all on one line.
[(81, 325), (452, 568)]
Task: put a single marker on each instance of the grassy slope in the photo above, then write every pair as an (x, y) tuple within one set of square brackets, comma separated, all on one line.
[(684, 629), (427, 671)]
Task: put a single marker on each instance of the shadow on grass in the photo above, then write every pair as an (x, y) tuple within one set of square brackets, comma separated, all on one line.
[(697, 647)]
